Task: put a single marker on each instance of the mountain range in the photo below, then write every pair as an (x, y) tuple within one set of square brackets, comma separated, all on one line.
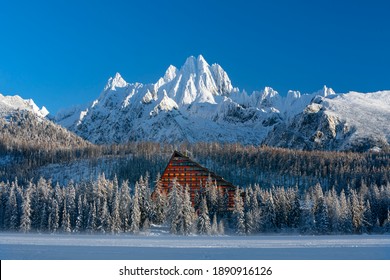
[(198, 103)]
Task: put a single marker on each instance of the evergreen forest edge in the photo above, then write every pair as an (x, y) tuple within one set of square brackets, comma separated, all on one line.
[(307, 192)]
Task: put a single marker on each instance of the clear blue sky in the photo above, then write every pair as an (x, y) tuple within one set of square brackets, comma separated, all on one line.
[(61, 53)]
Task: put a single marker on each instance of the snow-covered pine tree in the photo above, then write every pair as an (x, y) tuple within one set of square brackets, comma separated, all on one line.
[(268, 215), (238, 213), (145, 204), (11, 210), (333, 206), (249, 222), (211, 196), (4, 194), (25, 223), (294, 215), (65, 226), (255, 210), (223, 203), (345, 219), (104, 219), (159, 207), (80, 217), (135, 211), (70, 193), (92, 218), (321, 216), (368, 219), (357, 211), (307, 225), (125, 206), (203, 225), (54, 216), (174, 208), (280, 205), (115, 217), (187, 212)]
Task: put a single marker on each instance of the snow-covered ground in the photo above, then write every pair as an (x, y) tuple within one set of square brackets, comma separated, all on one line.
[(141, 247)]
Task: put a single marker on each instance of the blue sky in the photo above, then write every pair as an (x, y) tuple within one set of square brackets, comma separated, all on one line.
[(61, 53)]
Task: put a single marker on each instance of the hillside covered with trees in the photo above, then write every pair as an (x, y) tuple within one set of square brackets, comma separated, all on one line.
[(106, 206)]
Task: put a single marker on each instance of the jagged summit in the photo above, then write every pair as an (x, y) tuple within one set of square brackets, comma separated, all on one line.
[(115, 82), (9, 104), (197, 102)]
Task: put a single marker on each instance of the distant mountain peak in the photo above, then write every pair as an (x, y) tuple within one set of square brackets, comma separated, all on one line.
[(325, 91), (170, 74), (9, 104), (115, 82)]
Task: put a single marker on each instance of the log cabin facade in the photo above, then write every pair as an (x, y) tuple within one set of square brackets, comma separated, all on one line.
[(187, 172)]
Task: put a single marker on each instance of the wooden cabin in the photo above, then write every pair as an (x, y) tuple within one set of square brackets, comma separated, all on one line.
[(189, 173)]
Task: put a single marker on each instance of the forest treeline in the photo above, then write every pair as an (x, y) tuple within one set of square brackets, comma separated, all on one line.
[(241, 165), (112, 207)]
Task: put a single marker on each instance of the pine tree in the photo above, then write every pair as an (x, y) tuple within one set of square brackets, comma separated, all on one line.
[(65, 227), (11, 210), (4, 194), (203, 225), (187, 212), (345, 219), (321, 216), (255, 212), (294, 215), (135, 212), (357, 211), (102, 215), (211, 196), (159, 203), (80, 216), (92, 217), (174, 211), (115, 217), (125, 206), (25, 223), (145, 204), (368, 220), (238, 213), (70, 194), (307, 225), (268, 215), (54, 216), (249, 222), (159, 207)]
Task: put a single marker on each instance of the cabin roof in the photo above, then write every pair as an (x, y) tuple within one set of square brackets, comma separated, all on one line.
[(212, 174)]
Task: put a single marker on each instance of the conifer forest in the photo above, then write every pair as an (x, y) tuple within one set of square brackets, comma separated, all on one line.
[(278, 191)]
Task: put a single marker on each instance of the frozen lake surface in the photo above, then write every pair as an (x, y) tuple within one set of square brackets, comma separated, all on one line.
[(18, 246)]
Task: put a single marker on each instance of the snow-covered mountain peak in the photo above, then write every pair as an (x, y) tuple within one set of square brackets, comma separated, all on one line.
[(170, 74), (9, 104), (269, 93), (293, 94), (325, 91), (115, 82), (202, 63), (195, 66), (197, 102)]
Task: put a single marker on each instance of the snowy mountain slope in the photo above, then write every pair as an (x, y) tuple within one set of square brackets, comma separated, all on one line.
[(10, 104), (351, 121), (197, 102), (24, 125)]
